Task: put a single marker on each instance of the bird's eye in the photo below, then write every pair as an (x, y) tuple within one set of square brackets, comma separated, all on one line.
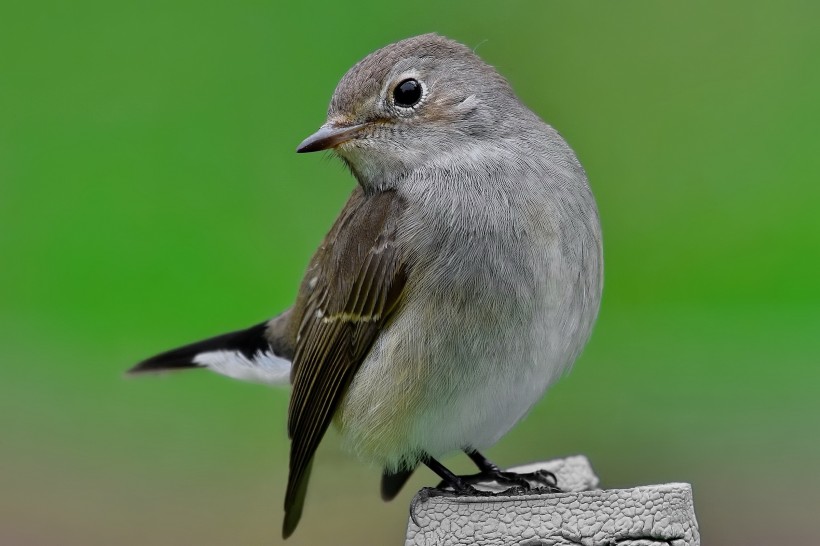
[(407, 93)]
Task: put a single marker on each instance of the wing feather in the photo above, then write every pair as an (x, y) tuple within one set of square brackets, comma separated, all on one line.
[(353, 285)]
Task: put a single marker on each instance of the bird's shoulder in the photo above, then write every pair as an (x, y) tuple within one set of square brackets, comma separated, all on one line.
[(357, 255)]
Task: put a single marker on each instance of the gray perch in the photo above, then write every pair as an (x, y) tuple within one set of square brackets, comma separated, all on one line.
[(581, 515)]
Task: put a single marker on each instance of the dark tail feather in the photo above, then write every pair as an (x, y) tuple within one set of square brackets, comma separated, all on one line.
[(248, 342), (392, 482), (296, 502)]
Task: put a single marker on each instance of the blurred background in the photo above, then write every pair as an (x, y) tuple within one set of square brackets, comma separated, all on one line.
[(150, 196)]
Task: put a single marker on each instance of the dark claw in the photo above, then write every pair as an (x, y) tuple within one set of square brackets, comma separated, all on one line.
[(545, 480), (420, 497)]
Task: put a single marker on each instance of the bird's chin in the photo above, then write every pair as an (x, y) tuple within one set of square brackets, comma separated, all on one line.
[(372, 166)]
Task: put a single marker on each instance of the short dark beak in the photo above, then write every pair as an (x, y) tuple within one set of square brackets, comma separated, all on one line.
[(328, 136)]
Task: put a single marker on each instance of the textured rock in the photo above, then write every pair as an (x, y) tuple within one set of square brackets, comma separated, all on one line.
[(580, 515)]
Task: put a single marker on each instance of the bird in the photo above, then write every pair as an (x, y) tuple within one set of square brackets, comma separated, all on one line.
[(461, 279)]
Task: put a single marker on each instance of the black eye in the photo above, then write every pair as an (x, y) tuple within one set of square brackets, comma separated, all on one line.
[(407, 93)]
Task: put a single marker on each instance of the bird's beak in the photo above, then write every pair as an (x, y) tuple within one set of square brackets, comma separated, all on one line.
[(329, 135)]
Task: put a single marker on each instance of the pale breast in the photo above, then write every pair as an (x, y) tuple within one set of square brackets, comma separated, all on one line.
[(497, 308)]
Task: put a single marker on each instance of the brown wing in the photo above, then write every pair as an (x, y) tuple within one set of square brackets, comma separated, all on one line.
[(352, 286)]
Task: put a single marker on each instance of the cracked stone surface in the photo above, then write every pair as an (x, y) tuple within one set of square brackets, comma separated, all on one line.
[(649, 515)]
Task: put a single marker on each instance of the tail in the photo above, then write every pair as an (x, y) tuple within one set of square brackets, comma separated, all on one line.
[(392, 482), (247, 355)]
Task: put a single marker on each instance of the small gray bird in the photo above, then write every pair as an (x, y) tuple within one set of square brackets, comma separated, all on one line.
[(461, 279)]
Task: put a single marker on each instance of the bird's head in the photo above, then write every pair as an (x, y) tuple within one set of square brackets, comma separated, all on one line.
[(412, 105)]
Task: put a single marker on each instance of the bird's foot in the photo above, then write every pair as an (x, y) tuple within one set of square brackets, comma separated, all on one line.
[(462, 485), (540, 480)]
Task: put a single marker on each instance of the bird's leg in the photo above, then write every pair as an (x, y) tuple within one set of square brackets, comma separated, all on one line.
[(448, 478), (490, 471), (482, 462)]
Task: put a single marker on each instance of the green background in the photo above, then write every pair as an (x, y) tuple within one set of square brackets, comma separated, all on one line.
[(150, 196)]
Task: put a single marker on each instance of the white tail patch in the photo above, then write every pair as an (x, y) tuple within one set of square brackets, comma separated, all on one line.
[(264, 367)]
